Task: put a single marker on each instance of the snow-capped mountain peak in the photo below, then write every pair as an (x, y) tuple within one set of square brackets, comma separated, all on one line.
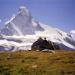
[(21, 24), (24, 11), (21, 30)]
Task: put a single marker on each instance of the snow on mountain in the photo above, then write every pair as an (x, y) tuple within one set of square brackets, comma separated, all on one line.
[(72, 33), (22, 30), (21, 24)]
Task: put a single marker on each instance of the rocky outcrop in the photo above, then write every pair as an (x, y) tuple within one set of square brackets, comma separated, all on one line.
[(42, 44)]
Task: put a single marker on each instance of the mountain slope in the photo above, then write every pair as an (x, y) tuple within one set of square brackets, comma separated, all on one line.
[(72, 33), (22, 30), (21, 24)]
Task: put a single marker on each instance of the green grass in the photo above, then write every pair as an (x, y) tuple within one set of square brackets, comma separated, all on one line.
[(37, 63)]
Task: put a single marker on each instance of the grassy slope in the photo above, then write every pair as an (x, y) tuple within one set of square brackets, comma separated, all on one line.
[(37, 63)]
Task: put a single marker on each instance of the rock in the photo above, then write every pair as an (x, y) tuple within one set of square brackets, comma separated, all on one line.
[(51, 51), (45, 50), (42, 44)]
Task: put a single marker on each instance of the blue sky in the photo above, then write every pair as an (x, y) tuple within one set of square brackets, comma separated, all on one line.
[(56, 13)]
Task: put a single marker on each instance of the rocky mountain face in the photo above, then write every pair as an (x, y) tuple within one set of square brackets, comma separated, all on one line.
[(21, 24), (22, 30)]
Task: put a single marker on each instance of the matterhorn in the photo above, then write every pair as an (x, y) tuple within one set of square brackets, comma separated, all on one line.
[(21, 23), (21, 30)]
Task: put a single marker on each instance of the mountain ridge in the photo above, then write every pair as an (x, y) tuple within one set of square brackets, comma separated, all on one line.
[(22, 30)]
